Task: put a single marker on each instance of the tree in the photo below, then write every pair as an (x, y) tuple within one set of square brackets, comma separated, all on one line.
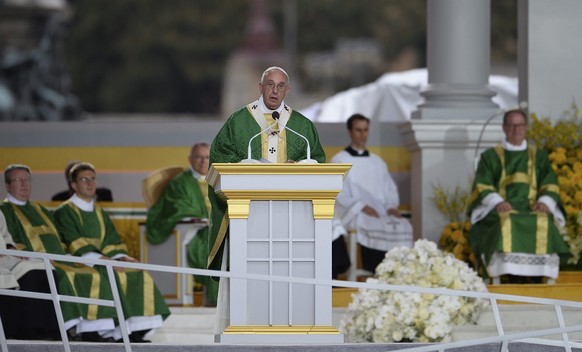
[(168, 56)]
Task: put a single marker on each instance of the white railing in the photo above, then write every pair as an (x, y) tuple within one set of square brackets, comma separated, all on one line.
[(533, 337)]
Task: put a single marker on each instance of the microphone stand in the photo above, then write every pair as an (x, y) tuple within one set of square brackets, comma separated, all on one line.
[(475, 158), (304, 161), (249, 159), (308, 160)]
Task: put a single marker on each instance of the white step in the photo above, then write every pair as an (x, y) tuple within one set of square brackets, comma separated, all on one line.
[(517, 318), (196, 326), (187, 326)]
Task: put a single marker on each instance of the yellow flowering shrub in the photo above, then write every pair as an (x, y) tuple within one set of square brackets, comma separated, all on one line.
[(453, 238), (562, 141)]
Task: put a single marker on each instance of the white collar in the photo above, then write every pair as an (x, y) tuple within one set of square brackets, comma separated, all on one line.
[(82, 204), (266, 110), (514, 148), (11, 199), (359, 151), (197, 175)]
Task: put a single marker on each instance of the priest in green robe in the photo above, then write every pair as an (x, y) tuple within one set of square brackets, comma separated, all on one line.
[(186, 196), (515, 208), (88, 231), (32, 229), (20, 318), (273, 127)]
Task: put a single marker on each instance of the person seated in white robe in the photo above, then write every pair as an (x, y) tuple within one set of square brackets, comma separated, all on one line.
[(369, 201)]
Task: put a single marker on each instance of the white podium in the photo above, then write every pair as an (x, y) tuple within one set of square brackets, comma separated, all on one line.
[(280, 224)]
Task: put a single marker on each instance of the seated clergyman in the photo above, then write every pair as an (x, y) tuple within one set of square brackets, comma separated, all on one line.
[(515, 208)]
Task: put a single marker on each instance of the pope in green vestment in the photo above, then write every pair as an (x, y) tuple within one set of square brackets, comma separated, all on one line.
[(521, 178), (231, 146), (93, 231), (32, 229), (185, 196)]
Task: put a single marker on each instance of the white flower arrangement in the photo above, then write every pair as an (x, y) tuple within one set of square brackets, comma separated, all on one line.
[(390, 316)]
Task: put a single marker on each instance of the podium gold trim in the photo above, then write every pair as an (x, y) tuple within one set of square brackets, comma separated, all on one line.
[(275, 169), (239, 201), (281, 329), (238, 208)]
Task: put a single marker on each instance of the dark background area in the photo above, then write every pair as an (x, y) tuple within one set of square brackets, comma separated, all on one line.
[(169, 56)]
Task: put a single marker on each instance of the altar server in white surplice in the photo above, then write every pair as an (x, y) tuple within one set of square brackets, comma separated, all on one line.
[(369, 201)]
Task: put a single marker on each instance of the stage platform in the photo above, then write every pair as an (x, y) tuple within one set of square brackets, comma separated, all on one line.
[(110, 347), (192, 328), (568, 287)]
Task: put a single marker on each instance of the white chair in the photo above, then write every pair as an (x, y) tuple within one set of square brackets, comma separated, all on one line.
[(177, 289), (353, 272)]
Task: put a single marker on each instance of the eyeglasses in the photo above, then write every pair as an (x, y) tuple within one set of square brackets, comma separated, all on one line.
[(21, 180), (517, 125), (87, 180), (272, 85)]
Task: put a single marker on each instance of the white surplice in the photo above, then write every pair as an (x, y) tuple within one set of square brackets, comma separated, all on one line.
[(369, 183)]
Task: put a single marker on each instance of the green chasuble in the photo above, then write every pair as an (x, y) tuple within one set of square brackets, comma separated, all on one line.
[(85, 232), (32, 229), (521, 178), (231, 146), (184, 196)]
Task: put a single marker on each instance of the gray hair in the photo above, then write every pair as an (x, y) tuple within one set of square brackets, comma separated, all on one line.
[(12, 167), (273, 68)]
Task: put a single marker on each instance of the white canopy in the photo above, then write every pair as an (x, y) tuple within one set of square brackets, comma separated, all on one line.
[(394, 96)]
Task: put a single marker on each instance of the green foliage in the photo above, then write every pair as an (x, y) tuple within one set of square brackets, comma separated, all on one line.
[(452, 205), (169, 56), (152, 56), (565, 133)]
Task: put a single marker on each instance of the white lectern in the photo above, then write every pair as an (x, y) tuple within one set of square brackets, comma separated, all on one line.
[(280, 224)]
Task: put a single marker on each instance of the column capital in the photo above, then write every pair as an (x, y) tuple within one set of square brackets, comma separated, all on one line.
[(458, 58), (451, 134)]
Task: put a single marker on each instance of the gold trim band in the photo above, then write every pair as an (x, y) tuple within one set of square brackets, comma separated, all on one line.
[(239, 202), (274, 169), (277, 194), (238, 208), (282, 169), (323, 209), (282, 329)]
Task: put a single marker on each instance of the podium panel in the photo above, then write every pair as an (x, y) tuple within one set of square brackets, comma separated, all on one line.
[(281, 241)]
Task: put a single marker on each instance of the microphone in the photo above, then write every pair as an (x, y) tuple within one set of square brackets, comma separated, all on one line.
[(249, 159), (276, 116)]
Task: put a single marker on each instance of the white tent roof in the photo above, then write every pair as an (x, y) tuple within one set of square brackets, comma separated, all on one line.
[(394, 96)]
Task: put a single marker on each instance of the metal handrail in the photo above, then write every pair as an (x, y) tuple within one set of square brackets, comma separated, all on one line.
[(503, 338)]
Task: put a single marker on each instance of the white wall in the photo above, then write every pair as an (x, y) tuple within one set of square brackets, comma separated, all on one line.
[(550, 55)]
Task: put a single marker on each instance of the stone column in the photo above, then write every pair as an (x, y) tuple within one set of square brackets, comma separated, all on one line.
[(458, 60), (445, 131)]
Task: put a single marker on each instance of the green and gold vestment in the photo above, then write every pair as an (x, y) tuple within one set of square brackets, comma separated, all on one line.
[(32, 229), (521, 178), (84, 232)]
